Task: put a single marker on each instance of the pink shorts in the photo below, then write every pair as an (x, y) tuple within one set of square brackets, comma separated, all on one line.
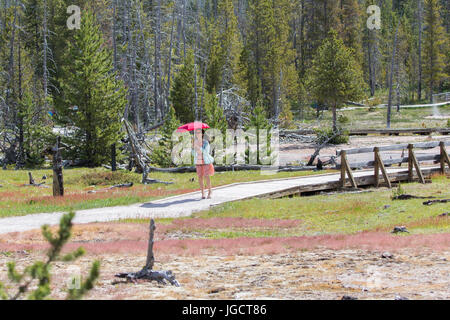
[(205, 170)]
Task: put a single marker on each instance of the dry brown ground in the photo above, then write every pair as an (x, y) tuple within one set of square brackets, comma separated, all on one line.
[(274, 271), (316, 274)]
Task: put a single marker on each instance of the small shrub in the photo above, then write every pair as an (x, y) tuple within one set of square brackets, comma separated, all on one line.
[(324, 135), (376, 101), (448, 123), (397, 192), (106, 178), (343, 119), (39, 272)]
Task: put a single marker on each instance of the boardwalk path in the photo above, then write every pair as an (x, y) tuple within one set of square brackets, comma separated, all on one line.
[(177, 206)]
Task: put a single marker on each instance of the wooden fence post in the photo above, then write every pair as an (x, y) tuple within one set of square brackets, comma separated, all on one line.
[(343, 159), (345, 167), (412, 162), (376, 151), (444, 157), (380, 165)]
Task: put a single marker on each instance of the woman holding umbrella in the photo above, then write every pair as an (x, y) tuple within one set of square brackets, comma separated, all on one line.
[(202, 157), (203, 161)]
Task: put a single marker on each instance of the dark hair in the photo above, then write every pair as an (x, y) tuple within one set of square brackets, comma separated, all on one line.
[(204, 135)]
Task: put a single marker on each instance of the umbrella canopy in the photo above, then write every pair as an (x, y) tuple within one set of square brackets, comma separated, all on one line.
[(192, 126)]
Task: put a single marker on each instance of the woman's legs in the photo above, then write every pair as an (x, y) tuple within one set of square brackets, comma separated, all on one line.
[(208, 182), (202, 185)]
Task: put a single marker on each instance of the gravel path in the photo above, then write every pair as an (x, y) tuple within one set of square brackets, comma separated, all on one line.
[(174, 207)]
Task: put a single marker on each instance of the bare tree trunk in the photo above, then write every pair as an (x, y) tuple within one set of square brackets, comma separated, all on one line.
[(157, 64), (184, 28), (133, 72), (21, 154), (419, 87), (45, 48), (146, 273), (335, 129), (371, 62), (11, 78), (150, 256), (397, 76), (58, 181), (394, 50), (113, 147), (146, 73), (125, 73), (169, 72)]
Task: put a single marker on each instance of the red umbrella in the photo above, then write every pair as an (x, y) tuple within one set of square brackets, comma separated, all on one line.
[(193, 126)]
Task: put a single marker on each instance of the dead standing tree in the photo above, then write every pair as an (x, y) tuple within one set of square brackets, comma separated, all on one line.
[(58, 182), (140, 155), (147, 272)]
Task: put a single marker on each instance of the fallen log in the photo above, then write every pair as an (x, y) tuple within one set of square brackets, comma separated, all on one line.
[(409, 197), (401, 229), (320, 147), (146, 273), (431, 202), (356, 104), (158, 276), (234, 168), (118, 167), (153, 181), (124, 185)]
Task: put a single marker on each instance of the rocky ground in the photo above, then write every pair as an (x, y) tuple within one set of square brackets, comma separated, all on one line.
[(312, 274)]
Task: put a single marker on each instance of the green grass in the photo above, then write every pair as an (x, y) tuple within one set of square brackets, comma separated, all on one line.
[(343, 213), (17, 199), (406, 118)]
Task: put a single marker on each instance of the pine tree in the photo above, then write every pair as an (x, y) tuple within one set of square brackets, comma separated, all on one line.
[(162, 154), (349, 28), (182, 94), (225, 49), (434, 46), (259, 122), (335, 76), (248, 76), (214, 115), (274, 57), (94, 99)]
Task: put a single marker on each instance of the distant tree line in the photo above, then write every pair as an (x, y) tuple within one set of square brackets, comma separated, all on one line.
[(219, 61)]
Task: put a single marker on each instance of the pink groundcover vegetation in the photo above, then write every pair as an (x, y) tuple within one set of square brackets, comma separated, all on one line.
[(225, 223), (77, 197), (257, 246)]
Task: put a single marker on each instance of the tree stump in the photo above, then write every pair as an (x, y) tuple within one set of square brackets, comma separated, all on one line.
[(30, 179), (146, 273)]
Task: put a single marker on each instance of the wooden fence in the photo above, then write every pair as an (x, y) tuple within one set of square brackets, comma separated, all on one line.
[(441, 97), (380, 165)]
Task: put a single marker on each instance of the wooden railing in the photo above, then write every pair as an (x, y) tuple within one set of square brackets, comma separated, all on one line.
[(441, 97), (380, 165)]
